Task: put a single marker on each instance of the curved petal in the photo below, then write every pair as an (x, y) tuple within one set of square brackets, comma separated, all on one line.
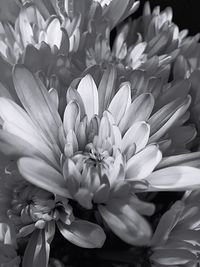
[(83, 233), (139, 110), (126, 223), (143, 163), (178, 178), (32, 94), (89, 94), (41, 174), (120, 102), (172, 257), (37, 251), (138, 134)]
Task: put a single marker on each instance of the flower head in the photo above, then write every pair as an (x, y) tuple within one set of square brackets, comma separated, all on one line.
[(94, 154)]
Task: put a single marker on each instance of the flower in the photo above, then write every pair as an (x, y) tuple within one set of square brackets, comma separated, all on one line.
[(175, 241), (94, 155), (35, 213)]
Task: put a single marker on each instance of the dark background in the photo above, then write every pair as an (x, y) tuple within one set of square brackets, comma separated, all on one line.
[(186, 13)]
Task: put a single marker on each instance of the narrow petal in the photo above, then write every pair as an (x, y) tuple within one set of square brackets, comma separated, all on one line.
[(139, 110), (83, 234), (71, 116), (89, 94), (32, 94), (37, 251), (120, 102), (172, 257), (106, 88), (178, 178), (138, 134), (136, 169), (115, 10), (43, 175), (189, 159), (126, 223), (167, 223), (163, 120)]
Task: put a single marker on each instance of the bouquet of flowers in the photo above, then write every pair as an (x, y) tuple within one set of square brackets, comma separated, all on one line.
[(99, 136)]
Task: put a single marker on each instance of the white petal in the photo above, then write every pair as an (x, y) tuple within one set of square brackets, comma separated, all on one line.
[(71, 116), (32, 94), (43, 175), (37, 251), (138, 134), (89, 94), (83, 234), (54, 33), (178, 178), (139, 110), (143, 163), (126, 223), (120, 103)]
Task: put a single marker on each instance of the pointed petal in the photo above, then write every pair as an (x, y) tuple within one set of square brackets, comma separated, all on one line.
[(126, 223), (163, 120), (115, 10), (43, 175), (89, 94), (139, 110), (138, 134), (106, 88), (120, 102), (37, 251), (32, 94), (189, 159), (167, 223), (54, 33), (83, 234), (178, 178), (136, 169), (71, 116)]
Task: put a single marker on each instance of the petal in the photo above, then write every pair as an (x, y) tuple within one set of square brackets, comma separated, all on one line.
[(83, 234), (167, 222), (54, 33), (26, 32), (18, 123), (71, 116), (89, 94), (43, 175), (161, 124), (32, 94), (172, 257), (126, 223), (143, 163), (120, 102), (138, 134), (189, 159), (178, 178), (37, 251), (106, 88), (114, 11), (139, 110)]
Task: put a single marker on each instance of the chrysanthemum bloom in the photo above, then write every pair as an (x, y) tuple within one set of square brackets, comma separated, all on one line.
[(176, 239), (151, 43), (8, 245), (97, 154), (35, 213), (46, 32)]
